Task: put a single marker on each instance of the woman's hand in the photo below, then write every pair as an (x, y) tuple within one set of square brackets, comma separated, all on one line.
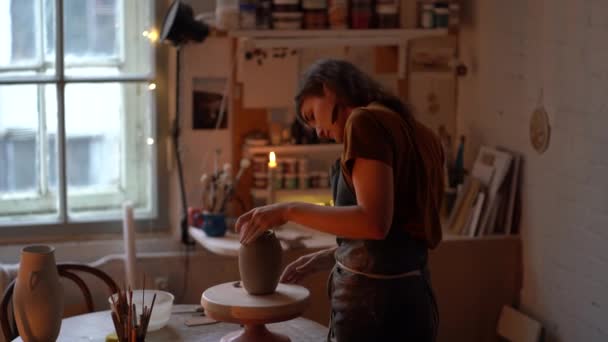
[(307, 265), (253, 223)]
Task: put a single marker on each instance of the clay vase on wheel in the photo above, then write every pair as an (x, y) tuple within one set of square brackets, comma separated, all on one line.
[(260, 264)]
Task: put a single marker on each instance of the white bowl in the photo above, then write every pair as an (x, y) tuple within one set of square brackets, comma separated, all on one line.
[(161, 313)]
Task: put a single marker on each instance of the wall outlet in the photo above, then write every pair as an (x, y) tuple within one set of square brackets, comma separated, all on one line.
[(161, 283)]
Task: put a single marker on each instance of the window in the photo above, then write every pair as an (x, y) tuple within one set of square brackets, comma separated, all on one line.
[(76, 124)]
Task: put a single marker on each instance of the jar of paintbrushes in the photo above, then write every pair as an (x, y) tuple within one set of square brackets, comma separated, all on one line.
[(129, 324), (218, 189)]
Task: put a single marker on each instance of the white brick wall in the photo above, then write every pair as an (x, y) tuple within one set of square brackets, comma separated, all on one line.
[(561, 47)]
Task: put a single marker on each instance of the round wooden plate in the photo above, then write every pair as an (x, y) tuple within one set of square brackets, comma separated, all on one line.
[(229, 302)]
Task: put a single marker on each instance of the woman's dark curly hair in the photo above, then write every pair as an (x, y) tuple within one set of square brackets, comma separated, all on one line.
[(353, 88)]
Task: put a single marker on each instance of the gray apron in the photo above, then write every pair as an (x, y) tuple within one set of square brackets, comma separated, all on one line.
[(379, 289)]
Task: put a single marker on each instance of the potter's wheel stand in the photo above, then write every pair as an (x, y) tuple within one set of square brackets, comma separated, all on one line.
[(229, 302)]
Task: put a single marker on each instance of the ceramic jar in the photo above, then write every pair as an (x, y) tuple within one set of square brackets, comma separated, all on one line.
[(260, 264), (38, 295)]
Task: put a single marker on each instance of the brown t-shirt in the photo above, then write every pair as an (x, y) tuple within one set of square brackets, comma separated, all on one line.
[(416, 157)]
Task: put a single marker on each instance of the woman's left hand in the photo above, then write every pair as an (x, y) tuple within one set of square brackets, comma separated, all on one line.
[(253, 223)]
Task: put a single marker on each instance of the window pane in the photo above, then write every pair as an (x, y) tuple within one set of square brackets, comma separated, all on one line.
[(90, 28), (103, 33), (19, 34), (24, 153), (108, 156)]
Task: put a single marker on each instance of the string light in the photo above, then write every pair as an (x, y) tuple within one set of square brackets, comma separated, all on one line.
[(153, 36)]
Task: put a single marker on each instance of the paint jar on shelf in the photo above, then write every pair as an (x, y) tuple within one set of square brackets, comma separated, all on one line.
[(260, 180), (264, 14), (337, 14), (361, 12), (315, 14), (259, 164), (442, 15), (286, 15), (427, 16), (247, 12), (304, 180), (289, 165), (291, 181), (303, 165), (278, 181), (454, 20), (388, 15), (227, 14)]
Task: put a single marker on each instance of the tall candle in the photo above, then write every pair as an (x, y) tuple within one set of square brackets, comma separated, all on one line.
[(272, 165), (128, 231)]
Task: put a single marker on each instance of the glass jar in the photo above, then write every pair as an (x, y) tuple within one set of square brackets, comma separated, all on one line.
[(314, 4), (260, 180), (260, 164), (248, 16), (388, 15), (289, 165), (303, 165), (442, 15), (291, 181), (304, 180), (361, 12), (227, 14), (454, 20), (337, 12), (287, 20), (264, 14), (427, 16)]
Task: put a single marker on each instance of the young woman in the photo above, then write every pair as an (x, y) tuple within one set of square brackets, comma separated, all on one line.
[(387, 189)]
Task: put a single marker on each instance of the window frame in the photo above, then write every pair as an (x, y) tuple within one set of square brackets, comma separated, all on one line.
[(64, 224)]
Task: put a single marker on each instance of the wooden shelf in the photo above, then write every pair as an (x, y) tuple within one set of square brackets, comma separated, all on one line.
[(295, 149), (299, 39), (346, 33), (302, 39)]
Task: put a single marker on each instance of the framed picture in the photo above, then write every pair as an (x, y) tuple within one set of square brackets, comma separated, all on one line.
[(207, 95)]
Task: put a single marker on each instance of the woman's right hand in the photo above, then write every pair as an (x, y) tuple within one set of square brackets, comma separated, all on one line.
[(307, 265)]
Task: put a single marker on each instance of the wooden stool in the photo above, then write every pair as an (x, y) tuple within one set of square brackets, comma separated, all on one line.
[(229, 302)]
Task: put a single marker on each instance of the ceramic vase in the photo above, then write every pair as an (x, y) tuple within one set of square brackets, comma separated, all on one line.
[(260, 264), (38, 295)]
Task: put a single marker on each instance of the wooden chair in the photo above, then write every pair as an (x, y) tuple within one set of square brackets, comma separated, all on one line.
[(66, 270)]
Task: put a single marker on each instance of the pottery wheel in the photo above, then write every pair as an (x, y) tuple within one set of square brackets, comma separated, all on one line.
[(229, 302)]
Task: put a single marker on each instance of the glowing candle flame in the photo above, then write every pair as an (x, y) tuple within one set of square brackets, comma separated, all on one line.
[(272, 163)]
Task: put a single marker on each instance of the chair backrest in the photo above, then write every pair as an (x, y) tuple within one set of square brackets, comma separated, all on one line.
[(66, 270), (514, 326)]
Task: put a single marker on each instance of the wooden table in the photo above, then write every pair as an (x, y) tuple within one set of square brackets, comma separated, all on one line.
[(95, 326)]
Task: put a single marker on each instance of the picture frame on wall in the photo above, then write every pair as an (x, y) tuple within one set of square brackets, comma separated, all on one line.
[(207, 97)]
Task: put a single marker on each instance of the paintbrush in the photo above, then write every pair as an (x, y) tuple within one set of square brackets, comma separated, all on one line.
[(245, 163), (224, 180), (205, 180)]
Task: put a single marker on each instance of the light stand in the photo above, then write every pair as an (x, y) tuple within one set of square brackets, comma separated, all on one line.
[(179, 28)]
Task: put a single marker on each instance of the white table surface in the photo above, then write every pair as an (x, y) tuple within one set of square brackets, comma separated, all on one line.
[(97, 325), (291, 236)]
